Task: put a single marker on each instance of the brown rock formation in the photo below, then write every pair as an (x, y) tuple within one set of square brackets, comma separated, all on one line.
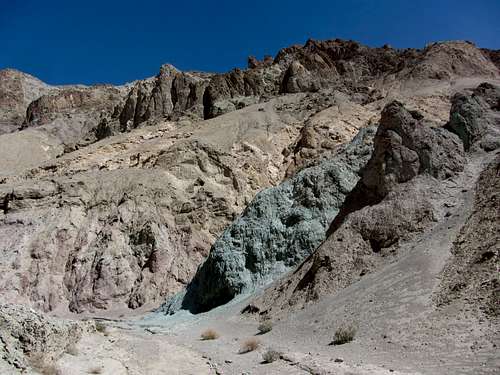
[(17, 91), (396, 198)]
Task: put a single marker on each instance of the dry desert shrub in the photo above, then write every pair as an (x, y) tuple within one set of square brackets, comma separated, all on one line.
[(270, 356), (344, 334), (249, 346), (265, 326), (102, 328), (209, 334)]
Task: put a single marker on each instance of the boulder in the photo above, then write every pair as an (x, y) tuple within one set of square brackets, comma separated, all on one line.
[(405, 147), (470, 116), (26, 335)]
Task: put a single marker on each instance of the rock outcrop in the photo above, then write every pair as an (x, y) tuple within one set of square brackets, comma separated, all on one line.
[(473, 116), (29, 338), (447, 60), (278, 229), (334, 64), (391, 203), (405, 148), (126, 221), (171, 93), (472, 271), (74, 116), (17, 91)]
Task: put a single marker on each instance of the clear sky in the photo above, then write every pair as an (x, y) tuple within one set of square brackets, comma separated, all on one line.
[(90, 41)]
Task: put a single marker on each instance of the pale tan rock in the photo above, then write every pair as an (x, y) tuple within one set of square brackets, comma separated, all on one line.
[(30, 339)]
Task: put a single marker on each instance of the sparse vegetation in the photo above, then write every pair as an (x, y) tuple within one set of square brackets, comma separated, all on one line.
[(209, 334), (95, 370), (102, 328), (72, 350), (45, 367), (270, 356), (265, 327), (249, 346), (344, 334)]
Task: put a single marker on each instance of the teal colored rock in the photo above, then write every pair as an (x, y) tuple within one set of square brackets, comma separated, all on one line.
[(278, 229)]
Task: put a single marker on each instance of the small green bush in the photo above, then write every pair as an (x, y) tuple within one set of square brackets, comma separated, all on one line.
[(265, 326), (100, 327), (271, 355)]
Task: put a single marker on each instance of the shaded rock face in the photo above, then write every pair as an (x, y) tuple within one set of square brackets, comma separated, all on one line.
[(472, 116), (278, 229), (390, 204), (171, 93), (333, 64), (472, 271), (405, 148), (252, 61), (99, 99), (298, 79), (340, 64), (239, 88), (493, 55), (25, 333), (75, 116), (17, 91)]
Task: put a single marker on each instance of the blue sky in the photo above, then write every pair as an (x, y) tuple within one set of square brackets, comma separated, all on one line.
[(88, 41)]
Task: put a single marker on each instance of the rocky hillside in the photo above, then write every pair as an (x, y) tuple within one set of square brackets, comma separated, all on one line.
[(348, 66), (17, 91), (476, 251), (111, 197), (402, 192), (279, 228), (133, 215), (30, 340), (310, 182)]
